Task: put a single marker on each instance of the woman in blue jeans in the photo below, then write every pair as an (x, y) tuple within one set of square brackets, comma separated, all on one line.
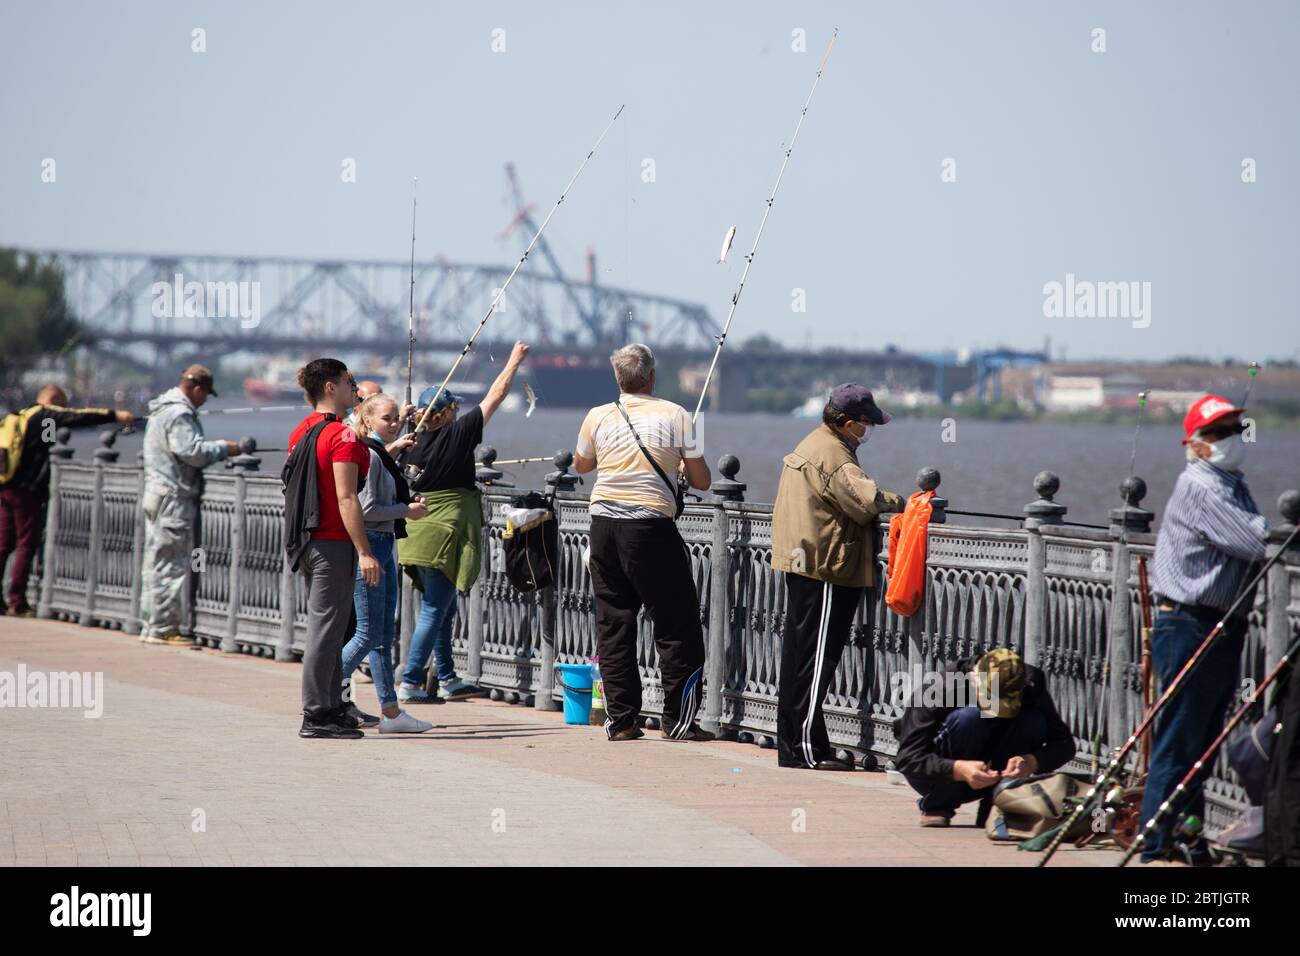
[(385, 504)]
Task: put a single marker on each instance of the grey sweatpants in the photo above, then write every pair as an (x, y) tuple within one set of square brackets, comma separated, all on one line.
[(330, 567), (168, 540)]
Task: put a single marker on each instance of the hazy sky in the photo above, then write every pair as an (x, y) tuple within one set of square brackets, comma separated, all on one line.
[(1117, 166)]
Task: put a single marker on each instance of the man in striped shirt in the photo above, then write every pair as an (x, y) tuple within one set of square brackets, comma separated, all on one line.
[(1211, 534)]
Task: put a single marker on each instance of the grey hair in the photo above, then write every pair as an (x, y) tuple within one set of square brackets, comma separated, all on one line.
[(633, 366)]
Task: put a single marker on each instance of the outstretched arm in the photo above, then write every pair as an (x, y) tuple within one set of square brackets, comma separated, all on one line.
[(501, 387)]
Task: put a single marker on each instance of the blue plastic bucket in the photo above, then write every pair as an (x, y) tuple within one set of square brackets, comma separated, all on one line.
[(576, 681)]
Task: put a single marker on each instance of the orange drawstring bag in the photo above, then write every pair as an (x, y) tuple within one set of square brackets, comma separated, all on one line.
[(907, 541)]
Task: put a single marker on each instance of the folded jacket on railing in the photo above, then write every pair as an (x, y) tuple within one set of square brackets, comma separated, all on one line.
[(908, 534)]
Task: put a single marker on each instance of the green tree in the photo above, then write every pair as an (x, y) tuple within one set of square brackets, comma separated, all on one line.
[(35, 318)]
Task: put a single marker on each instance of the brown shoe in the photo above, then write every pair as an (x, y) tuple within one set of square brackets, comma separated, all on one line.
[(934, 820), (628, 733), (694, 733)]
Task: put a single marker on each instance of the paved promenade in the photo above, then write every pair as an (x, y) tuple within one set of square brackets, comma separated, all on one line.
[(195, 761)]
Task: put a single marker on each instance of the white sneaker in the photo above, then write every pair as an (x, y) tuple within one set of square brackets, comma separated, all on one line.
[(404, 723)]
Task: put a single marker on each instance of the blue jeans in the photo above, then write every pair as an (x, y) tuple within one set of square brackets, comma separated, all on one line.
[(376, 624), (1188, 724), (432, 634), (965, 735)]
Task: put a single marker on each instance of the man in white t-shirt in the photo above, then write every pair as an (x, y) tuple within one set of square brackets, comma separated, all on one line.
[(639, 444)]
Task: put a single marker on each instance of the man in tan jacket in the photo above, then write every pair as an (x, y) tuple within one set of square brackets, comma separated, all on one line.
[(823, 539)]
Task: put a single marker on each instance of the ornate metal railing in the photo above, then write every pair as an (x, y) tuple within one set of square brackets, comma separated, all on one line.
[(1066, 597)]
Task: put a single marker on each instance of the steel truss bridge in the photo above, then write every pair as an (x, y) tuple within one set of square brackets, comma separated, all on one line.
[(360, 307), (357, 305)]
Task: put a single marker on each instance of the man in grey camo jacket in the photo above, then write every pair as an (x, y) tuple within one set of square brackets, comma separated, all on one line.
[(175, 454)]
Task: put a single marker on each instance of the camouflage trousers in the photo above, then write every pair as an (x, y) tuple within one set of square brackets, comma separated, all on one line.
[(168, 539)]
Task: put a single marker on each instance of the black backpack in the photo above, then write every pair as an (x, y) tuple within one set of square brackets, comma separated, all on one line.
[(532, 554)]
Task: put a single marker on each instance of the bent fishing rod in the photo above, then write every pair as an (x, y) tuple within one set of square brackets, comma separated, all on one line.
[(1210, 751), (749, 259), (496, 300), (1174, 686)]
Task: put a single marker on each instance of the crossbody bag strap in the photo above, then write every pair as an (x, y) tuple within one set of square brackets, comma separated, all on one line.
[(672, 485)]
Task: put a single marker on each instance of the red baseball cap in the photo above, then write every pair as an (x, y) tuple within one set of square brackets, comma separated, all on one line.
[(1205, 412)]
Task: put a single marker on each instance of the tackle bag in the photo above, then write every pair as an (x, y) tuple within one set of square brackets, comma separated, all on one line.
[(531, 542), (1031, 806), (1249, 754), (908, 534)]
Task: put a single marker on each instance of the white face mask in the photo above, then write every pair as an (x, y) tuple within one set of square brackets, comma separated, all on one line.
[(867, 429), (1228, 453)]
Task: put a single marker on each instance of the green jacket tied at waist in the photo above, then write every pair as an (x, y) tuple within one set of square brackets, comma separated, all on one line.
[(449, 538)]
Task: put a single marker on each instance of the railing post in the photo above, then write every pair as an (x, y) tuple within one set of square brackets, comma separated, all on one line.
[(724, 489), (545, 698), (133, 623), (288, 610), (229, 643), (60, 453), (104, 455), (410, 605), (928, 479), (477, 605), (1119, 652), (556, 481), (1278, 635), (1043, 511)]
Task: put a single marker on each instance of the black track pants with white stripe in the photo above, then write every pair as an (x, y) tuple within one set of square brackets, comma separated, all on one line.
[(638, 562), (817, 620)]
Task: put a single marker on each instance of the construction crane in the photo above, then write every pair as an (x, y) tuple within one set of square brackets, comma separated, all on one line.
[(588, 314)]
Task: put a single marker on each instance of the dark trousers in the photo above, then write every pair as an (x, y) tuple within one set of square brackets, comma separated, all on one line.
[(22, 517), (1282, 799), (637, 563), (966, 735), (330, 567), (1188, 724), (817, 620)]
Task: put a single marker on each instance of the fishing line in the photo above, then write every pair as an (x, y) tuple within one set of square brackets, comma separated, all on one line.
[(496, 300), (749, 259)]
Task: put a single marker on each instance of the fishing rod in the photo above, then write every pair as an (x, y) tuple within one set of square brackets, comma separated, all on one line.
[(410, 319), (1252, 370), (992, 514), (749, 259), (520, 461), (421, 424), (1175, 685), (1204, 758)]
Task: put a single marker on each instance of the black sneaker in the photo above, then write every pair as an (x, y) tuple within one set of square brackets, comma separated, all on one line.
[(628, 733), (328, 731), (354, 716)]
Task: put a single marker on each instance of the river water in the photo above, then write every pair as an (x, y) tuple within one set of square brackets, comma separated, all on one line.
[(987, 466)]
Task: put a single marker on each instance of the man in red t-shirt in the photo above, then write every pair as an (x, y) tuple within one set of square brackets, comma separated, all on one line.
[(337, 543)]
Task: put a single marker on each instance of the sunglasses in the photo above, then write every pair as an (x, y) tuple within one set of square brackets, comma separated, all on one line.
[(1217, 432)]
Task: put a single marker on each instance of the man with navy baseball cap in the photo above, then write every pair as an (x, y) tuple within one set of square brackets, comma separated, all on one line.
[(823, 538)]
